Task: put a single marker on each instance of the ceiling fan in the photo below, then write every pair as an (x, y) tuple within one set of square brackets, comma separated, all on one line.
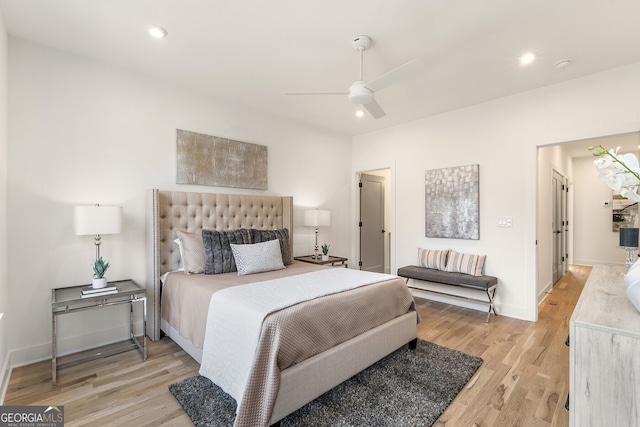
[(361, 92)]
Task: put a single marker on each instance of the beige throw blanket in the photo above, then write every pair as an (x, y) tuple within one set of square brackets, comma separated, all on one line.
[(246, 359)]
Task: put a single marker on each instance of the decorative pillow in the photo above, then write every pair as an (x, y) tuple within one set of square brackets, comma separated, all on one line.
[(465, 263), (258, 257), (191, 252), (429, 258), (258, 236), (177, 242), (218, 256)]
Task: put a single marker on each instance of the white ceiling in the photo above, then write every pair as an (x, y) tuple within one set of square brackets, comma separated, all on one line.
[(253, 51)]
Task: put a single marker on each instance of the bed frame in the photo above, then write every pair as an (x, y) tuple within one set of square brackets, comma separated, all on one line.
[(170, 211)]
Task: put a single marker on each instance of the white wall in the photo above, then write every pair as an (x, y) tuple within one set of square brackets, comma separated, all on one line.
[(4, 276), (502, 137), (596, 242), (84, 132)]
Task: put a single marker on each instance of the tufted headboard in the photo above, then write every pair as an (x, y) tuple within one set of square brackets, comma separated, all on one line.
[(171, 211)]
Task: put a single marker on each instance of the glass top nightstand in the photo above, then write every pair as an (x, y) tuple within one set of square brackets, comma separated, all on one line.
[(333, 260), (70, 300)]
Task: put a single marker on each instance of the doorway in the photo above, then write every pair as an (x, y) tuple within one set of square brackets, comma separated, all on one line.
[(374, 237)]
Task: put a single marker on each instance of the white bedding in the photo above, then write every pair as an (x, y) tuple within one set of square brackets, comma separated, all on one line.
[(235, 318)]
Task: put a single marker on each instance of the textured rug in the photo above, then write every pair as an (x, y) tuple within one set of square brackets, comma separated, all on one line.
[(406, 388)]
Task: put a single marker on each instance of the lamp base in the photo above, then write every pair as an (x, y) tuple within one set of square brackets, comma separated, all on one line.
[(316, 251), (631, 258)]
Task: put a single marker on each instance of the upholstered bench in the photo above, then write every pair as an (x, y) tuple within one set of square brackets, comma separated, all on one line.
[(487, 284)]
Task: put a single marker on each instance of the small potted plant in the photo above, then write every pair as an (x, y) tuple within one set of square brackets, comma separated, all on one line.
[(325, 252), (100, 267)]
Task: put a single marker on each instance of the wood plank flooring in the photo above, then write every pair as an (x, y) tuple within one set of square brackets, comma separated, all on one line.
[(522, 382)]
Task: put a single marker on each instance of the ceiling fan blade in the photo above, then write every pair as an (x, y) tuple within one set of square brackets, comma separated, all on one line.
[(317, 93), (395, 75), (374, 109)]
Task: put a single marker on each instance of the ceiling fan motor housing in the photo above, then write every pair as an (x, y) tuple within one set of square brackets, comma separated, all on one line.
[(359, 93), (361, 42)]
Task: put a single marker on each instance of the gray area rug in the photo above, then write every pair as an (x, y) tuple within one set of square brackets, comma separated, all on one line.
[(406, 388)]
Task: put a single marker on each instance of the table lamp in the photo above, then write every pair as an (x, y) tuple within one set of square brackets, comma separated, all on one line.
[(629, 241), (316, 218), (97, 220)]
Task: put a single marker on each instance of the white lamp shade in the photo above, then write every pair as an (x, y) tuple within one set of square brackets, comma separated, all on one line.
[(97, 220), (317, 218)]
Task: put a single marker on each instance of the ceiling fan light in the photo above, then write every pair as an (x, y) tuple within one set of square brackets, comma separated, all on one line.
[(359, 113)]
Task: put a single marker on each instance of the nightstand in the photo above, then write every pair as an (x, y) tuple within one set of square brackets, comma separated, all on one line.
[(71, 300), (334, 261)]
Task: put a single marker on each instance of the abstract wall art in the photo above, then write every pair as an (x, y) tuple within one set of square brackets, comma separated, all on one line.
[(211, 160), (452, 202)]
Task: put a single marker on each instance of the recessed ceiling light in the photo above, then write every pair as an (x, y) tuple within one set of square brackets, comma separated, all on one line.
[(359, 113), (527, 58), (157, 32)]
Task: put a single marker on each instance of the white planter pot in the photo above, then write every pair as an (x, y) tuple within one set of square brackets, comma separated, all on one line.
[(100, 283), (325, 257)]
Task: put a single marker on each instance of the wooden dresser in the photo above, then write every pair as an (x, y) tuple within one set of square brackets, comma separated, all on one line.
[(604, 363)]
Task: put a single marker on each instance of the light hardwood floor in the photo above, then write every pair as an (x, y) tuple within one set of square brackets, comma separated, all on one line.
[(522, 382)]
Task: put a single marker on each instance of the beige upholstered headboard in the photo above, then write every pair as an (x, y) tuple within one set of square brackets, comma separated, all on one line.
[(171, 211)]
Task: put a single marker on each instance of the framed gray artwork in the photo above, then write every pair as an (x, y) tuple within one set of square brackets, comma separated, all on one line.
[(211, 160), (452, 202)]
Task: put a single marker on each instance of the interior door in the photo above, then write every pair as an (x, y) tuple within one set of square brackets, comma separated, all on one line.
[(559, 226), (371, 224)]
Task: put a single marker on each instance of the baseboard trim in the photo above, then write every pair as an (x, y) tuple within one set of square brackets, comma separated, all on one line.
[(71, 345)]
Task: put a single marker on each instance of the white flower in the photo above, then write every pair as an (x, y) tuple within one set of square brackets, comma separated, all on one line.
[(620, 172)]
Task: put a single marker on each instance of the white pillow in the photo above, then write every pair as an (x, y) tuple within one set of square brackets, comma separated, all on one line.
[(191, 252), (179, 243), (258, 257)]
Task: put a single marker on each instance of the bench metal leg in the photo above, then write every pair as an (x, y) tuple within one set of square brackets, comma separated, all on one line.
[(490, 294)]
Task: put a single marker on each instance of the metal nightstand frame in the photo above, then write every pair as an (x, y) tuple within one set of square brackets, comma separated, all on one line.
[(69, 300)]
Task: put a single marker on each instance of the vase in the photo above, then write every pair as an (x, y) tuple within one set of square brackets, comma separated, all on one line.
[(325, 257), (99, 283)]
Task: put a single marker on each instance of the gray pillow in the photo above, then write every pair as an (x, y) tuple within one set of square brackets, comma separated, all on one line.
[(217, 248), (259, 236)]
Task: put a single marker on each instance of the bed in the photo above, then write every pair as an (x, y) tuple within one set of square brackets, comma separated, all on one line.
[(170, 212)]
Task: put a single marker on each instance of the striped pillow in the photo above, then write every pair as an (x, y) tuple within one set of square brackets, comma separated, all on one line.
[(465, 263), (429, 258)]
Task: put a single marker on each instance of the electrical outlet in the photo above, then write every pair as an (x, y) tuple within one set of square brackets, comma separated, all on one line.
[(606, 203)]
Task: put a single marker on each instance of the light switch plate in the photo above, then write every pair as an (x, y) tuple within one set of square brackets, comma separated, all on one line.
[(505, 222)]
